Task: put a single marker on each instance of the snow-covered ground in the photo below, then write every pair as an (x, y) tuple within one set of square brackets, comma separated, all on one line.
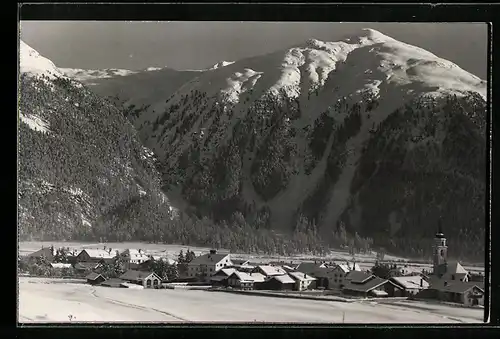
[(52, 300)]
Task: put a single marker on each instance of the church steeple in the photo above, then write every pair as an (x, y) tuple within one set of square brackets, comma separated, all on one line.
[(440, 251)]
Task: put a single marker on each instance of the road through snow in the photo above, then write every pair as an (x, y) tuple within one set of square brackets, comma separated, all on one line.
[(52, 300)]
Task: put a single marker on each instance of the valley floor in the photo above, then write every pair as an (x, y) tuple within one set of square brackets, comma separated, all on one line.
[(55, 300)]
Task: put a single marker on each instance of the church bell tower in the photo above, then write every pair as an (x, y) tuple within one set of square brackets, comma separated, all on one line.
[(440, 252)]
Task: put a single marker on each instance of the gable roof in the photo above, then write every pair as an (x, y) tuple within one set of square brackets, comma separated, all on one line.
[(342, 267), (93, 276), (455, 286), (209, 259), (46, 252), (258, 277), (409, 282), (137, 275), (309, 267), (98, 253), (86, 265), (225, 272), (301, 276), (367, 286), (239, 262), (284, 279), (242, 276), (358, 277), (269, 270), (454, 267)]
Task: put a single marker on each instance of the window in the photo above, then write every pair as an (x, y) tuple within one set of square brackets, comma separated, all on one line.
[(452, 277)]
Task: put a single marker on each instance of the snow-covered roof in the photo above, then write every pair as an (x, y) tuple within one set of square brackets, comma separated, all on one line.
[(454, 267), (99, 253), (258, 277), (209, 259), (284, 279), (60, 265), (411, 282), (271, 270), (301, 276)]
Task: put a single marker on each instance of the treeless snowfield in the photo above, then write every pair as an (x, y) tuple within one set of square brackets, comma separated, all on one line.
[(53, 300)]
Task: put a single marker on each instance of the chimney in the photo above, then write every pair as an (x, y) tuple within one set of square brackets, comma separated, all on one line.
[(104, 247), (421, 282), (140, 251), (305, 275)]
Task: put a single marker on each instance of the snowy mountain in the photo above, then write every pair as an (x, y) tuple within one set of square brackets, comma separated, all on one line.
[(83, 172), (367, 131)]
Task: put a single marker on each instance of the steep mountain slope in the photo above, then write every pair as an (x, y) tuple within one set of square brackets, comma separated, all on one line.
[(83, 173), (367, 131)]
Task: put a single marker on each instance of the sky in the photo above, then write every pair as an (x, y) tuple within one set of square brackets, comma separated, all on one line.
[(199, 45)]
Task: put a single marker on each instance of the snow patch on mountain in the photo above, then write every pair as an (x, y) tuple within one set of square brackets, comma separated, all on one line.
[(35, 123), (222, 64), (31, 62)]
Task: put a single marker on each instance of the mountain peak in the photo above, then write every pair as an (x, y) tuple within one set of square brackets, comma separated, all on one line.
[(31, 62), (366, 35)]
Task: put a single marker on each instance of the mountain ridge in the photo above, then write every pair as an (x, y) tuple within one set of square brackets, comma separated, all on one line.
[(288, 135)]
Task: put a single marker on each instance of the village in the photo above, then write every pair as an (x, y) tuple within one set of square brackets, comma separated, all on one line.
[(216, 271)]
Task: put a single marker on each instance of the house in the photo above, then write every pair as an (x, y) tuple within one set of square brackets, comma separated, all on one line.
[(240, 280), (408, 286), (95, 278), (302, 281), (113, 282), (465, 293), (336, 276), (278, 282), (146, 279), (204, 266), (96, 255), (454, 271), (135, 257), (364, 284), (221, 276), (269, 271), (45, 252)]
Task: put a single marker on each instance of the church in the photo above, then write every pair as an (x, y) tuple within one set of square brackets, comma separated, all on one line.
[(449, 280), (442, 269)]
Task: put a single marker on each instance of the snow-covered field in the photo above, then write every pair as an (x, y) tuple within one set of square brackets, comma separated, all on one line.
[(52, 300)]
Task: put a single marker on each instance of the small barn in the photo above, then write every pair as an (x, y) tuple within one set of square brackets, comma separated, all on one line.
[(407, 286), (365, 285), (278, 282), (146, 279), (95, 278)]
